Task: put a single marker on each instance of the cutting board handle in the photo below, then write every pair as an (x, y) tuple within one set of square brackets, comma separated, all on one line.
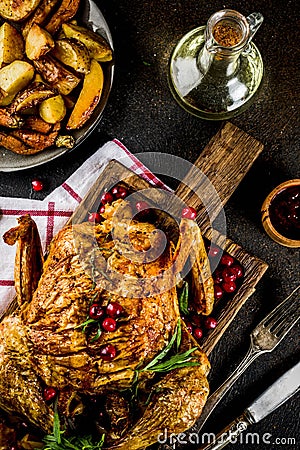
[(224, 161)]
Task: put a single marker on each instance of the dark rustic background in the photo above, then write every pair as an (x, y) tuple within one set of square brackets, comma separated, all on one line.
[(143, 115)]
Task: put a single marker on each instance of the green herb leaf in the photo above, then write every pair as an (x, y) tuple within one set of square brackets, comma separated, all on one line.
[(98, 334), (164, 352), (184, 298), (85, 324), (176, 361)]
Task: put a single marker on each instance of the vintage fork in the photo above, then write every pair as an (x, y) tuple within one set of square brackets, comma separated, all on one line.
[(264, 338)]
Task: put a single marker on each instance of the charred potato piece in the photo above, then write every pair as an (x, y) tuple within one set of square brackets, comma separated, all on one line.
[(15, 77), (32, 96), (88, 98), (40, 15), (17, 10), (65, 12), (73, 53), (11, 44), (38, 42), (98, 47), (56, 74), (53, 109)]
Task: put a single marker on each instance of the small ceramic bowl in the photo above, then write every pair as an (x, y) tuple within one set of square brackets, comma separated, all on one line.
[(266, 210)]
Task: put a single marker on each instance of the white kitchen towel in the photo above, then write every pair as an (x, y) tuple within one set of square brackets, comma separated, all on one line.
[(53, 212)]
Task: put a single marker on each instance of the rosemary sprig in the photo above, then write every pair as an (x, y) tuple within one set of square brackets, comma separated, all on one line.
[(56, 440), (184, 298), (84, 325)]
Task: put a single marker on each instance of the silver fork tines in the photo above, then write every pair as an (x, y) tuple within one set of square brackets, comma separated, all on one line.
[(264, 338)]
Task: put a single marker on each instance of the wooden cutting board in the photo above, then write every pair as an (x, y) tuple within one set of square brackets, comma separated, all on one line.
[(225, 161)]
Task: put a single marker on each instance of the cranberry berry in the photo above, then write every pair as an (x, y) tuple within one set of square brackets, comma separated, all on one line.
[(238, 270), (210, 323), (114, 309), (213, 250), (101, 209), (227, 260), (229, 274), (49, 394), (107, 197), (96, 312), (119, 192), (218, 277), (229, 287), (218, 292), (95, 217), (108, 352), (142, 207), (109, 324), (189, 213), (198, 333), (37, 185)]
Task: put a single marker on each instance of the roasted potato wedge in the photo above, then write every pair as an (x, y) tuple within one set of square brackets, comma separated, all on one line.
[(15, 77), (98, 47), (65, 12), (40, 15), (11, 44), (73, 53), (54, 73), (38, 42), (17, 10), (53, 109), (88, 98), (32, 96)]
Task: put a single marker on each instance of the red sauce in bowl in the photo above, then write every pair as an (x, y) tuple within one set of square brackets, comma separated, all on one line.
[(284, 212)]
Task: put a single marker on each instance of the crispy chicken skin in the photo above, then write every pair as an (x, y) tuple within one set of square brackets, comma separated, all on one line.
[(44, 340)]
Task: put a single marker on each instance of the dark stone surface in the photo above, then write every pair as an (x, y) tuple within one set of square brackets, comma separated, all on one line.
[(143, 115)]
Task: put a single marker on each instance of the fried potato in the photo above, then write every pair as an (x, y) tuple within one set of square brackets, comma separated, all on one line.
[(17, 10), (65, 12), (11, 44), (32, 96), (38, 42), (15, 77), (73, 53), (98, 47), (53, 109), (56, 74), (40, 15), (88, 98)]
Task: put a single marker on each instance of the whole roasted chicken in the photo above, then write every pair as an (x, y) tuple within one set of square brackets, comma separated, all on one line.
[(50, 341)]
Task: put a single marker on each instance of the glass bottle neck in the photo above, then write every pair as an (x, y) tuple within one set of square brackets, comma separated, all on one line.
[(218, 63)]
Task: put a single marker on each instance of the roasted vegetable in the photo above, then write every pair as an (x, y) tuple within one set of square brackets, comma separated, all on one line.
[(32, 96), (88, 98), (36, 123), (73, 53), (15, 76), (38, 42), (8, 120), (17, 10), (56, 74), (98, 47), (65, 12), (53, 109), (40, 15), (11, 44)]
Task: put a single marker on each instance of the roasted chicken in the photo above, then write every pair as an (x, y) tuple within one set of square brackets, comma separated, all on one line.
[(44, 343)]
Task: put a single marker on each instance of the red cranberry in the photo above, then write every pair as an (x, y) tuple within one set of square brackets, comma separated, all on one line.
[(196, 320), (218, 292), (189, 327), (238, 270), (96, 311), (107, 197), (142, 207), (213, 250), (119, 192), (210, 323), (37, 185), (218, 277), (108, 352), (198, 333), (114, 309), (229, 287), (109, 324), (227, 260), (229, 275), (101, 209), (189, 213), (49, 394), (94, 217)]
